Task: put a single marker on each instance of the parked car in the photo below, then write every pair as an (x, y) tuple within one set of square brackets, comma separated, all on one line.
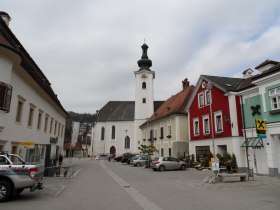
[(133, 158), (140, 160), (167, 163), (17, 175), (118, 158), (126, 157)]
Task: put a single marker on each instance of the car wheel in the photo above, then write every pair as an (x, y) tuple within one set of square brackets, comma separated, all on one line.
[(138, 164), (183, 167), (161, 168), (5, 191)]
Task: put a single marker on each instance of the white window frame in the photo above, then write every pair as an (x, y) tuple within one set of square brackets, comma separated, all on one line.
[(30, 120), (216, 115), (40, 117), (195, 120), (46, 123), (20, 108), (201, 103), (206, 97), (169, 130), (274, 94), (204, 118)]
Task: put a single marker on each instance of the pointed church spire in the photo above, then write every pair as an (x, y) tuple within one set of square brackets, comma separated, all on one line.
[(144, 62)]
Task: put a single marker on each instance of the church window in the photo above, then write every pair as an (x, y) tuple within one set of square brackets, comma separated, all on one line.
[(113, 132), (144, 100), (144, 86), (102, 133), (127, 142)]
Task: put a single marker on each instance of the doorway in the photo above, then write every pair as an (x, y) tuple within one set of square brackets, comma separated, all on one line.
[(112, 150)]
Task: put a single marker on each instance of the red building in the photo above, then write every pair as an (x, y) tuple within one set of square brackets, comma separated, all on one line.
[(215, 118)]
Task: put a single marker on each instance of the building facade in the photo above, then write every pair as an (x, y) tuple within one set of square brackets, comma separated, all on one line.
[(32, 119), (166, 128), (261, 102), (215, 119)]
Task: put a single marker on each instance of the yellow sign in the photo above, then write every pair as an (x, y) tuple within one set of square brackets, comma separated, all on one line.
[(260, 125), (261, 128), (27, 144)]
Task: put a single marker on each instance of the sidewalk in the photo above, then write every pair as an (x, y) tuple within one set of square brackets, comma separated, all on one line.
[(256, 181), (74, 164)]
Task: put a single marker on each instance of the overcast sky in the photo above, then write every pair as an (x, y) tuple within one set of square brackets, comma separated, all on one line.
[(88, 49)]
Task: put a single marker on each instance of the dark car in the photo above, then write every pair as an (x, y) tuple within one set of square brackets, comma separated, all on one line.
[(118, 158), (126, 157)]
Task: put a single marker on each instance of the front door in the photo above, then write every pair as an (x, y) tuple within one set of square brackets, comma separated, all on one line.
[(112, 150)]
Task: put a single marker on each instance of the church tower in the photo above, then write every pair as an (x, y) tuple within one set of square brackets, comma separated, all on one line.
[(144, 94)]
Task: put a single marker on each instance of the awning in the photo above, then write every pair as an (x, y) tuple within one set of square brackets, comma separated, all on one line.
[(254, 142)]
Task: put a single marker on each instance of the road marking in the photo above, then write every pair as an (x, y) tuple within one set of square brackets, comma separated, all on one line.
[(76, 173), (61, 189), (137, 196)]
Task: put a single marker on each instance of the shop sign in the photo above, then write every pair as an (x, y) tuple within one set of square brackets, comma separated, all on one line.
[(215, 164), (27, 144), (261, 128)]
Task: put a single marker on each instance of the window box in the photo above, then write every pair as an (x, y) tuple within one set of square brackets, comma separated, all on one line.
[(169, 136)]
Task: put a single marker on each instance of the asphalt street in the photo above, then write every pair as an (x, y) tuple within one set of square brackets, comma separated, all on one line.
[(103, 185)]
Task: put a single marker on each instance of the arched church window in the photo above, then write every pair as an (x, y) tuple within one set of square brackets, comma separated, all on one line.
[(144, 85), (113, 132), (102, 133), (127, 142)]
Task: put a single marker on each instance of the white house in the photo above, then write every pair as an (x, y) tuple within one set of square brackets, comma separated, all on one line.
[(167, 129), (32, 119)]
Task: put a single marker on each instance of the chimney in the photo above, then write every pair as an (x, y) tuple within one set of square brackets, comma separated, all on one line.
[(185, 83), (5, 17)]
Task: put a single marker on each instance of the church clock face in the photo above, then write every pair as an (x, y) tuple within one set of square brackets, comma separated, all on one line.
[(144, 76)]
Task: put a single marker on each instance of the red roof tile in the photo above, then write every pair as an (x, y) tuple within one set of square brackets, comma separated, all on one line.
[(176, 104)]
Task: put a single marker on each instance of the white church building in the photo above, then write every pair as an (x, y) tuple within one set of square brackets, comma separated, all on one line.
[(117, 129)]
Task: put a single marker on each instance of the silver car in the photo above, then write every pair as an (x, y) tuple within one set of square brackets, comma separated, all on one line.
[(140, 160), (167, 163)]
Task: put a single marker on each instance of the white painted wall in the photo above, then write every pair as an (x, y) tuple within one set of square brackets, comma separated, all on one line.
[(103, 146), (24, 86)]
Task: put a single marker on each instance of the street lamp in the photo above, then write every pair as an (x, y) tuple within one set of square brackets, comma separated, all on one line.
[(209, 86)]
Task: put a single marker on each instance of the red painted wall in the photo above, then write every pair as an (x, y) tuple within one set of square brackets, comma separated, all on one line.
[(219, 103)]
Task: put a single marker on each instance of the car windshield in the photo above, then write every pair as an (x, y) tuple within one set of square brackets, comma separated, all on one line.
[(156, 158), (16, 160)]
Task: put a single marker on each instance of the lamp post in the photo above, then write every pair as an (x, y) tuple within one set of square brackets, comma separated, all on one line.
[(209, 87)]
